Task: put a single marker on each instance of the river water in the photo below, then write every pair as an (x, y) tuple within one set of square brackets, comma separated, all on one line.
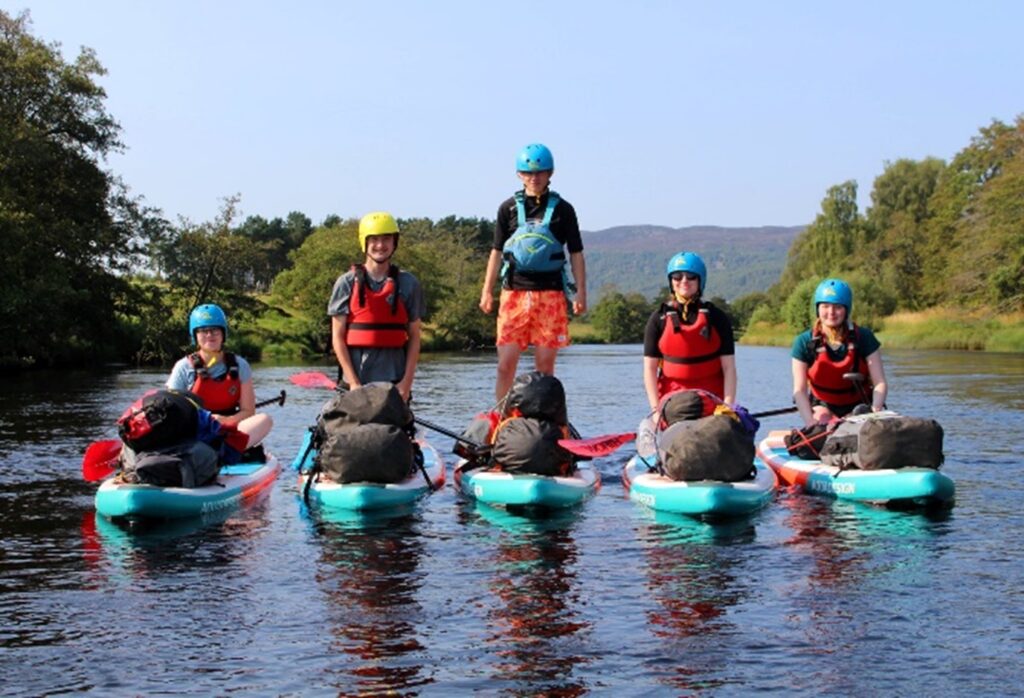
[(808, 597)]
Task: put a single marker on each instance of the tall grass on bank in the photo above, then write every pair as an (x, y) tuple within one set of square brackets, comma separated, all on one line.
[(764, 334), (942, 328), (935, 328)]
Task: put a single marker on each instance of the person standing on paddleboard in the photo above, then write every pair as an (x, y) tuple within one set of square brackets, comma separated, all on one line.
[(688, 342), (533, 229), (222, 380), (837, 366), (376, 312)]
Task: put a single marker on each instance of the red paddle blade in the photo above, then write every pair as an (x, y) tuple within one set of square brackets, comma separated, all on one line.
[(313, 379), (596, 446), (100, 459)]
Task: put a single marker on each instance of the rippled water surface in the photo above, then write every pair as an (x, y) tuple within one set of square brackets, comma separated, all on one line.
[(808, 597)]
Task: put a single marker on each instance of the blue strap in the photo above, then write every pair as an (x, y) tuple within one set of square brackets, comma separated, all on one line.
[(520, 209), (553, 200)]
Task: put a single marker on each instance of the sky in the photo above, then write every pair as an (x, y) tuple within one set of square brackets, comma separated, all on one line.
[(660, 112)]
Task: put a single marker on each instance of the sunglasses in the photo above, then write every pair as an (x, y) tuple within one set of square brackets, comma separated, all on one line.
[(678, 276)]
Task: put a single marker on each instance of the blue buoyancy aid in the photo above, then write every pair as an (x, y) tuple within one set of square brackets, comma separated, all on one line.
[(532, 248)]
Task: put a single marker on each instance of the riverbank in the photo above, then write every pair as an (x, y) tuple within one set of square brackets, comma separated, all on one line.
[(935, 328)]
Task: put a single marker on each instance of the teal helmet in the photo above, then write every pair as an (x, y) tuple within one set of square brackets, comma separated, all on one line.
[(207, 315), (834, 291), (535, 158), (688, 261)]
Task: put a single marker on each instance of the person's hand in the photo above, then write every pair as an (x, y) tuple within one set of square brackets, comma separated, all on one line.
[(579, 305), (404, 389), (486, 302)]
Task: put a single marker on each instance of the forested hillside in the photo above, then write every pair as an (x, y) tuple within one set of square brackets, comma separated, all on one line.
[(633, 258)]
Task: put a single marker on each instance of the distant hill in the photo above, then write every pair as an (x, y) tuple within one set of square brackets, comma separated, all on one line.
[(633, 258)]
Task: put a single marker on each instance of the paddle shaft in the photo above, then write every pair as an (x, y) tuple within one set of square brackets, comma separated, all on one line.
[(451, 434), (279, 400), (772, 413)]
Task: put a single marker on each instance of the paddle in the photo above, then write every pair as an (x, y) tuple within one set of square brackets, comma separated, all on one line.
[(598, 446), (100, 459)]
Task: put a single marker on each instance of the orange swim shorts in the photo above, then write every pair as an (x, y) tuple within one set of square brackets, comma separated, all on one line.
[(539, 318)]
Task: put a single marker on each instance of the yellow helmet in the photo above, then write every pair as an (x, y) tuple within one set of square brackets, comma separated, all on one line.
[(377, 223)]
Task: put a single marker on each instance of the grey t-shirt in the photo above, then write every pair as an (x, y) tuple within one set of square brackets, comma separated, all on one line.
[(374, 364)]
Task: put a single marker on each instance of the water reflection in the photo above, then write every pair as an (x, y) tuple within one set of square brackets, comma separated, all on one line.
[(857, 553), (844, 539), (370, 579), (694, 577), (536, 627), (152, 549)]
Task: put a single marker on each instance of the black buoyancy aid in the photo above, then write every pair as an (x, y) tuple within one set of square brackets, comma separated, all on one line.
[(690, 353), (533, 248), (376, 319), (825, 375), (220, 395)]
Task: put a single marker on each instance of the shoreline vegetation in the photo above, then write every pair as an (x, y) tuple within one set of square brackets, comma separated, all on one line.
[(934, 328)]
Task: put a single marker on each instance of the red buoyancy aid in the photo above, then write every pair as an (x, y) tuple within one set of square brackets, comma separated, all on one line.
[(220, 395), (690, 354), (373, 319), (825, 375)]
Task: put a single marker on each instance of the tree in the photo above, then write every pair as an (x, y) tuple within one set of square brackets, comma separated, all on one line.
[(274, 240), (973, 233), (619, 318), (828, 244), (743, 308), (69, 227), (903, 188)]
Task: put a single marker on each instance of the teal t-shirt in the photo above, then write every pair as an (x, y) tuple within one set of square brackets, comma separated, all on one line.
[(803, 346)]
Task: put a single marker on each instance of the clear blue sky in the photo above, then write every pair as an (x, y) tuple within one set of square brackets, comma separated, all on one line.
[(667, 113)]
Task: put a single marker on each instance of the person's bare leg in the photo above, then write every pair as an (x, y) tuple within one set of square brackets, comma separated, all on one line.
[(508, 361), (544, 359), (256, 427)]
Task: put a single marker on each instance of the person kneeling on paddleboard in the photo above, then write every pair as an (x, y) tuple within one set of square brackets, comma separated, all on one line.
[(837, 365), (688, 342), (220, 379)]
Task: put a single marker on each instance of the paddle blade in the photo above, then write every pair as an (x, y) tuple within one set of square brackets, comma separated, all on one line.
[(596, 446), (100, 459), (313, 379)]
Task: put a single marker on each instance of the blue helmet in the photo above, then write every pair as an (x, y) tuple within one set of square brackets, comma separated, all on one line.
[(207, 315), (834, 291), (688, 261), (535, 158)]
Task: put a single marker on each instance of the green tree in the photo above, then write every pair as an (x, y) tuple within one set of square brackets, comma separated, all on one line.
[(743, 308), (620, 318), (905, 187), (195, 263), (895, 226), (830, 241), (975, 219), (274, 240), (69, 227), (306, 286)]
